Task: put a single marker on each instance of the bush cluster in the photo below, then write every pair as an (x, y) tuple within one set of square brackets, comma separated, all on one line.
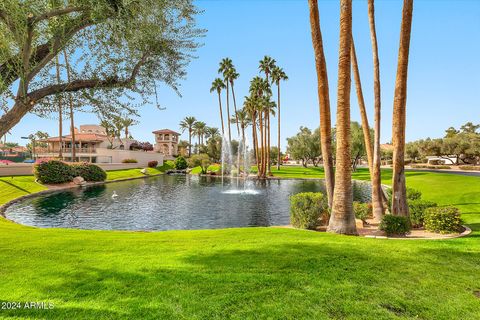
[(430, 166), (443, 220), (180, 163), (55, 171), (363, 211), (395, 225), (89, 172), (201, 160), (417, 210), (308, 210), (470, 168), (129, 161), (152, 164)]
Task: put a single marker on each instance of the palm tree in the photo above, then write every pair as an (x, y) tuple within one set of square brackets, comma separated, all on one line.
[(187, 124), (60, 110), (323, 100), (212, 133), (127, 123), (267, 64), (225, 67), (377, 192), (218, 85), (72, 122), (233, 75), (399, 194), (342, 219), (199, 129), (244, 120), (277, 75), (249, 105)]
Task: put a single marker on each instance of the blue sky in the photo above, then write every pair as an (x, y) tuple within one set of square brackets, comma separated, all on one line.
[(443, 82)]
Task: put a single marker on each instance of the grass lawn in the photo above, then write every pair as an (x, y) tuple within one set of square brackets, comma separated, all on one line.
[(250, 273)]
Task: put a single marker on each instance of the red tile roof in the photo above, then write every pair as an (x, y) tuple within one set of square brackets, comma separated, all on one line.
[(166, 131), (92, 137)]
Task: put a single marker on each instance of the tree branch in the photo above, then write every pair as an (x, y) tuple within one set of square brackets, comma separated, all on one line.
[(57, 12)]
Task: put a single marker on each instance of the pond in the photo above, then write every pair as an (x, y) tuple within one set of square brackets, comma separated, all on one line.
[(167, 202)]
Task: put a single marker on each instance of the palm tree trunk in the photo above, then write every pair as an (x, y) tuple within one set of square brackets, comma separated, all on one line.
[(377, 191), (278, 128), (255, 138), (262, 146), (342, 219), (221, 112), (60, 116), (399, 194), (190, 142), (235, 108), (268, 144), (228, 117), (363, 110), (323, 99)]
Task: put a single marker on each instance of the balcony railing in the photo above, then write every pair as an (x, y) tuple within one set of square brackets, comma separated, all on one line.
[(67, 150)]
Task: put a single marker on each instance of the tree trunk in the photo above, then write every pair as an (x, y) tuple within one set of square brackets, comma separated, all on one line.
[(268, 144), (221, 112), (228, 116), (363, 109), (342, 219), (189, 142), (278, 129), (378, 201), (399, 192), (323, 99), (60, 116), (72, 122), (262, 146), (235, 108)]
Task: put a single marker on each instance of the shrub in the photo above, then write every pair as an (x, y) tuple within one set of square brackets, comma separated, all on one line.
[(89, 172), (394, 225), (200, 160), (152, 164), (470, 168), (308, 209), (443, 219), (129, 161), (180, 163), (53, 171), (412, 194), (362, 211), (417, 210)]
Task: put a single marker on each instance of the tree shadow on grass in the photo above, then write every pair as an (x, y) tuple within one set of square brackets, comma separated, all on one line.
[(15, 186)]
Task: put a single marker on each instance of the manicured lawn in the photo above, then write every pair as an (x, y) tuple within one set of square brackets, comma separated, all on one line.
[(17, 186), (131, 173), (250, 273)]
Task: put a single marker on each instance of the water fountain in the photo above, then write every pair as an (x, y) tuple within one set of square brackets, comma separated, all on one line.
[(236, 167)]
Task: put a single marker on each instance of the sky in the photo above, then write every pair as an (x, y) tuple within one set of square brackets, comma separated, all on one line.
[(443, 78)]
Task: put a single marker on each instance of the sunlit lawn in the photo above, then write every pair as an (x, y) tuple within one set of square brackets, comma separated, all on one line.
[(250, 273)]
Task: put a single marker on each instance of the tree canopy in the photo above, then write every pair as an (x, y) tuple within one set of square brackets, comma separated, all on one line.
[(118, 49)]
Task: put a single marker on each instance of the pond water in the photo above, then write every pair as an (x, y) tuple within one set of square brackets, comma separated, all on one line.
[(167, 202)]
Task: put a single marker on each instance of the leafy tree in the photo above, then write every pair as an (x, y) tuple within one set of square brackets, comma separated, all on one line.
[(304, 146), (201, 160), (121, 48)]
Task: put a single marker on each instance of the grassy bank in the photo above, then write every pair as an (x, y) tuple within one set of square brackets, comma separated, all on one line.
[(250, 273)]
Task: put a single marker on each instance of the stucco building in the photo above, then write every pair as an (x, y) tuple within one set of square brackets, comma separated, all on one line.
[(166, 143)]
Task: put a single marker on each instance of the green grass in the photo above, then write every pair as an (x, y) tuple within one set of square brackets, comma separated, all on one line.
[(213, 168), (250, 273), (131, 173), (17, 186)]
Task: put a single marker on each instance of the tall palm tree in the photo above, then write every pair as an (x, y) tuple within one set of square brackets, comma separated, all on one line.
[(72, 121), (244, 120), (127, 123), (211, 133), (225, 67), (249, 105), (187, 124), (323, 100), (267, 64), (218, 85), (199, 129), (399, 194), (342, 219), (363, 110), (278, 75), (377, 192), (233, 75), (60, 111)]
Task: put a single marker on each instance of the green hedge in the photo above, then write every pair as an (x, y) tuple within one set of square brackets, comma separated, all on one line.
[(443, 220), (308, 210), (89, 172), (363, 211), (394, 225), (417, 211), (53, 172), (180, 163)]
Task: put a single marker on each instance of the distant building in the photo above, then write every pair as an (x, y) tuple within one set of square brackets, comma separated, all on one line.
[(166, 142), (93, 145)]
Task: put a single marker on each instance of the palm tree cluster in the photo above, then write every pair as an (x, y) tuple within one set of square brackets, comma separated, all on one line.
[(258, 107), (338, 184), (197, 129)]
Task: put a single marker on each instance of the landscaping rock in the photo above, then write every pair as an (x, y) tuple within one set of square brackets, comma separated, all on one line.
[(143, 171), (79, 181)]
